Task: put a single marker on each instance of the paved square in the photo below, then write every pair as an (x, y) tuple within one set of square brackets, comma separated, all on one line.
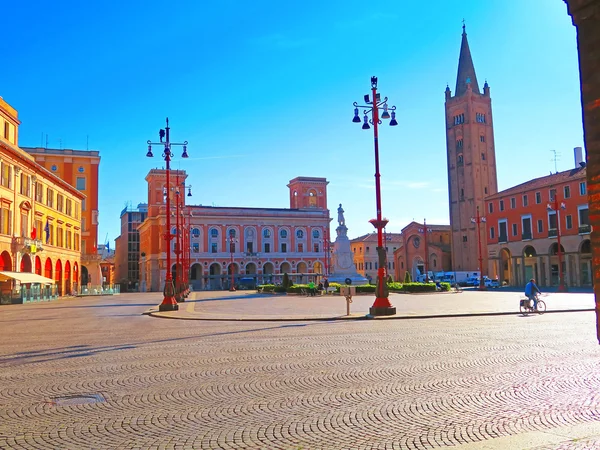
[(95, 373)]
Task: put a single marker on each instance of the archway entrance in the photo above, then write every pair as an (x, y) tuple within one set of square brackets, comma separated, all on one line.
[(58, 276), (85, 278), (554, 263), (48, 268), (25, 263), (38, 265), (505, 266), (68, 278), (196, 276), (585, 266), (6, 262), (215, 276)]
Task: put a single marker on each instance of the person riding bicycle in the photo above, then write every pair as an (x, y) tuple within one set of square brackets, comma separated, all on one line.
[(531, 291)]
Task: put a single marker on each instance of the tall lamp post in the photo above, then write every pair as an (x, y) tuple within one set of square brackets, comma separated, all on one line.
[(182, 241), (232, 240), (169, 303), (382, 305), (479, 220), (425, 230), (554, 206)]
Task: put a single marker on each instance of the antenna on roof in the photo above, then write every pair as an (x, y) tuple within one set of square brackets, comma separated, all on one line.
[(555, 159)]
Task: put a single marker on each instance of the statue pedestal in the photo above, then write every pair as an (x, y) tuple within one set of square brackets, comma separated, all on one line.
[(343, 260)]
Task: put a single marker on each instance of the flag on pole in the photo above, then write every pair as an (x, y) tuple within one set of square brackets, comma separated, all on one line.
[(33, 233), (47, 231)]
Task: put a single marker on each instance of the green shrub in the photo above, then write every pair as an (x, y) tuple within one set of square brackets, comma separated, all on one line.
[(279, 288), (395, 287), (445, 286), (266, 287), (419, 287), (407, 277)]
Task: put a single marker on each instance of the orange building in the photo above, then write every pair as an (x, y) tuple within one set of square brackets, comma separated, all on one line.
[(471, 159), (418, 242), (260, 244), (365, 254), (79, 168), (40, 217), (523, 224)]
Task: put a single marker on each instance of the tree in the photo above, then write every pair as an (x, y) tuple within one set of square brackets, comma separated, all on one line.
[(286, 281), (407, 277)]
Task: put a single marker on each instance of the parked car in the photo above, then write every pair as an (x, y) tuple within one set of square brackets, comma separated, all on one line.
[(488, 282)]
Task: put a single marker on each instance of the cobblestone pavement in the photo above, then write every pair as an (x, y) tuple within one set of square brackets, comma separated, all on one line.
[(251, 306), (95, 373)]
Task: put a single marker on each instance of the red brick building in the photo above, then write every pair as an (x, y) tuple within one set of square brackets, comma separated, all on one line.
[(419, 242), (524, 223)]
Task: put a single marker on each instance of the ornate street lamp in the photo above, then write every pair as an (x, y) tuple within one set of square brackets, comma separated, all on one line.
[(479, 220), (232, 240), (382, 305), (554, 206), (180, 278), (169, 303)]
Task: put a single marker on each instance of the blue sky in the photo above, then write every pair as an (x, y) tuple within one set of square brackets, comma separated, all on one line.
[(263, 92)]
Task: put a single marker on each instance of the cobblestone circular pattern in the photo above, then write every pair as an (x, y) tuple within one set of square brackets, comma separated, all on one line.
[(368, 384)]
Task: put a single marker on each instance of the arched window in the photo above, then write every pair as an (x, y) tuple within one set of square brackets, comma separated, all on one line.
[(283, 234), (174, 231), (460, 158), (231, 233), (195, 233), (316, 234), (266, 233), (299, 234), (214, 233)]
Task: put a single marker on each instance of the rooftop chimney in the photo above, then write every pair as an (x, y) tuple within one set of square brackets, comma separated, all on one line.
[(578, 157)]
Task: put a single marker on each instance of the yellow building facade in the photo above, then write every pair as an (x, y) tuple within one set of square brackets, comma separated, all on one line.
[(40, 215)]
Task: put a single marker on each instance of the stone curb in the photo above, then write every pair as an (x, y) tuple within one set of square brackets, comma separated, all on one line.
[(163, 315)]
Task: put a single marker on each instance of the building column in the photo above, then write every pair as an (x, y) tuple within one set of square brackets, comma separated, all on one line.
[(577, 269), (548, 270), (586, 18)]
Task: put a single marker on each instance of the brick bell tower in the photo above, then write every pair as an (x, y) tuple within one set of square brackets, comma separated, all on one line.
[(471, 161)]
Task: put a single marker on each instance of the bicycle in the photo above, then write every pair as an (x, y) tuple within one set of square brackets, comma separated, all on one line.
[(526, 306)]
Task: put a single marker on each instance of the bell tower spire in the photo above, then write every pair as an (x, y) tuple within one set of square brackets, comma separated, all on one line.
[(471, 160), (466, 69)]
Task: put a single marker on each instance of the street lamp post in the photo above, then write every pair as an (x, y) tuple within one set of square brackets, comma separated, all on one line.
[(382, 305), (169, 303), (479, 220), (232, 241), (425, 230), (556, 207), (182, 232)]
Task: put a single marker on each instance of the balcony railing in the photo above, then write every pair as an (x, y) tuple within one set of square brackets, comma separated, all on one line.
[(526, 236), (503, 238), (552, 232), (585, 229)]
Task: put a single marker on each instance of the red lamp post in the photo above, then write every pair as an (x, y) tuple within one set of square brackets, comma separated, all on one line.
[(555, 207), (425, 230), (382, 305), (183, 240), (478, 220), (232, 241), (169, 302)]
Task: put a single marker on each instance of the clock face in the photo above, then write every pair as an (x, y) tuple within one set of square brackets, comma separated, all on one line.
[(416, 242), (345, 261)]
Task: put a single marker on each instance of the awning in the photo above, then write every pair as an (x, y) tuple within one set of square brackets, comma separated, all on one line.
[(25, 277)]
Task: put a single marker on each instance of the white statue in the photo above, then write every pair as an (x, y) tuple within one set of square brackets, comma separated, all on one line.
[(341, 220)]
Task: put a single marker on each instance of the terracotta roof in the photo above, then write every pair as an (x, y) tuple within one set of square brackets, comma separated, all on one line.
[(372, 237), (466, 69), (542, 182), (433, 226)]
